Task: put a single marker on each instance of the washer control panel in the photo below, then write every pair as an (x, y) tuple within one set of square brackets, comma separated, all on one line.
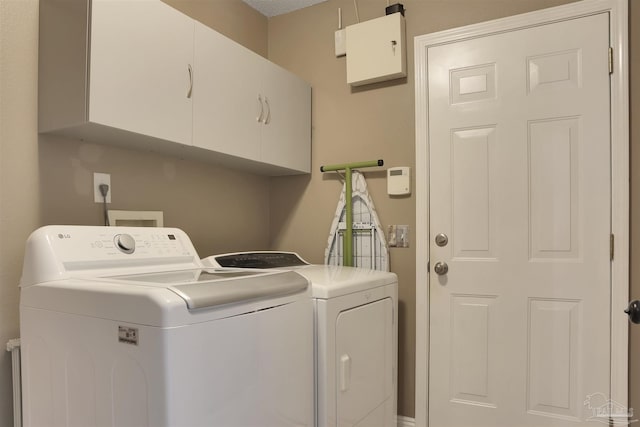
[(87, 243), (58, 251)]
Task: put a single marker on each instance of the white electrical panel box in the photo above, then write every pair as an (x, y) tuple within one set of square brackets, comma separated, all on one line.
[(376, 50), (399, 181)]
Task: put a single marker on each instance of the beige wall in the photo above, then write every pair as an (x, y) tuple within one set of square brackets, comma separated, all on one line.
[(46, 180), (221, 210), (18, 167)]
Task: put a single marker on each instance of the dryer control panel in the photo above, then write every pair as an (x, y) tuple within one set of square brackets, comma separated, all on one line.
[(260, 259)]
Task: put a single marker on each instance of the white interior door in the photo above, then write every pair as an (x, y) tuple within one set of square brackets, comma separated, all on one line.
[(520, 183)]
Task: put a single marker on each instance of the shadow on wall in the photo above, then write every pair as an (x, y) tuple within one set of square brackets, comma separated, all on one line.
[(380, 85), (368, 174), (405, 369), (287, 201)]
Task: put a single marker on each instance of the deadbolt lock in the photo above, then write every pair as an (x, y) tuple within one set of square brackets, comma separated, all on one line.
[(442, 239)]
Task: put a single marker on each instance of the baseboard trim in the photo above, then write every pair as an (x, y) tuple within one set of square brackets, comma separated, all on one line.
[(406, 421)]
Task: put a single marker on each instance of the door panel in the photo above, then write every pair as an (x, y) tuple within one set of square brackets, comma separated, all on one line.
[(553, 375), (519, 149), (473, 218), (554, 150), (472, 318)]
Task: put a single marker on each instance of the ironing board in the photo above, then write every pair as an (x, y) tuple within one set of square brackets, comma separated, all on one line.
[(370, 248)]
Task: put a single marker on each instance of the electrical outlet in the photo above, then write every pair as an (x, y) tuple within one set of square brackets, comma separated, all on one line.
[(402, 236), (398, 236), (101, 178)]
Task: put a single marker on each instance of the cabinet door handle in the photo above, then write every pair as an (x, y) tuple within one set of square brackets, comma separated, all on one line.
[(259, 118), (267, 118), (190, 90)]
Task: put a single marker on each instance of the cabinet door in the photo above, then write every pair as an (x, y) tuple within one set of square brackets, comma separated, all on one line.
[(286, 135), (226, 105), (141, 51)]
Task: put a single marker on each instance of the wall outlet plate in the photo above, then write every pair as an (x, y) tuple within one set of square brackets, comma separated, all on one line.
[(402, 236), (101, 178), (398, 236)]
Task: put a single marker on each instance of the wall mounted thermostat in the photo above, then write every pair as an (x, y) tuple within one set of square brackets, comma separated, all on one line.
[(399, 181)]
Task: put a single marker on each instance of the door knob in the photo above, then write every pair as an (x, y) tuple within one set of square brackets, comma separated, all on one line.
[(441, 268), (633, 311)]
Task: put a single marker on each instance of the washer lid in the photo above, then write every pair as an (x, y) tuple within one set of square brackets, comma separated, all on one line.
[(210, 288)]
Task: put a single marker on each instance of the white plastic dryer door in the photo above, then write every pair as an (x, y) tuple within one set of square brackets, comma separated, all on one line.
[(364, 351)]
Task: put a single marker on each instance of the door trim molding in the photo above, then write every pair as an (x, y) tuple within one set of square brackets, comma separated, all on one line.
[(618, 11)]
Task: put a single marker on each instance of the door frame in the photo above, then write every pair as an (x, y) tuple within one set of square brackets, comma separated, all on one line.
[(618, 10)]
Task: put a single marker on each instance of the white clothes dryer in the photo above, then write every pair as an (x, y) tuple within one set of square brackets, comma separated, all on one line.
[(356, 337), (122, 326)]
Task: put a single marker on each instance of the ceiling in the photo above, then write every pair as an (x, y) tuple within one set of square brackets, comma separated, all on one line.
[(271, 8)]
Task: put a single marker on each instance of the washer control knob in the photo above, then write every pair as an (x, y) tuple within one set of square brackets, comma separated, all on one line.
[(125, 243)]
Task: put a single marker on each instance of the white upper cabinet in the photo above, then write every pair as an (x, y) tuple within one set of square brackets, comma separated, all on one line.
[(244, 105), (141, 74), (141, 69), (226, 105), (286, 130)]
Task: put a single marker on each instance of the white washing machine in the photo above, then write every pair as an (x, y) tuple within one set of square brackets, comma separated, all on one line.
[(122, 326), (356, 337)]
